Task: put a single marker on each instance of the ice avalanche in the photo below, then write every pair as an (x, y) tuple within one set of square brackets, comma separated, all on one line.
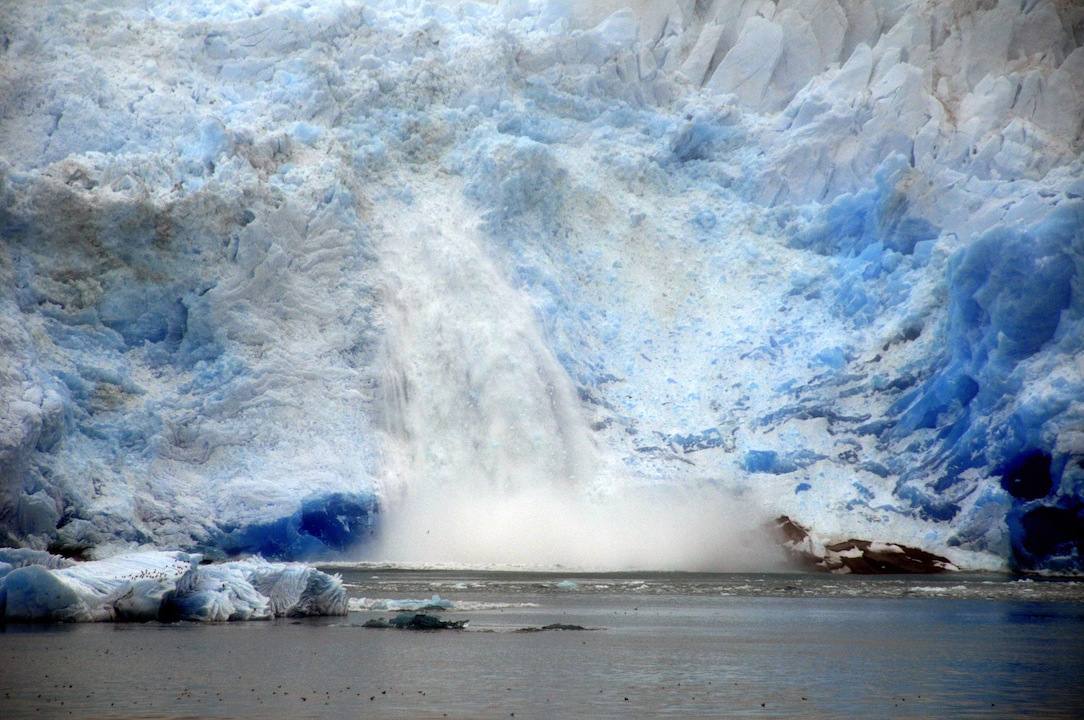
[(622, 278)]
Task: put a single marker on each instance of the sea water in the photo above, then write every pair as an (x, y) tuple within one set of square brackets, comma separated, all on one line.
[(658, 644)]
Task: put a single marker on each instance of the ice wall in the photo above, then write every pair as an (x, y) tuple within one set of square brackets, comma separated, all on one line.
[(271, 270)]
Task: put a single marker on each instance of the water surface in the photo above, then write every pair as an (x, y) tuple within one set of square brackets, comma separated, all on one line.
[(667, 645)]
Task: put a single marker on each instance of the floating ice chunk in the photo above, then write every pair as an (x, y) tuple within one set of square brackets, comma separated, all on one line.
[(433, 603), (214, 594), (87, 592), (295, 589), (33, 593), (141, 601), (566, 585), (939, 589), (381, 604), (468, 605), (255, 589), (168, 586)]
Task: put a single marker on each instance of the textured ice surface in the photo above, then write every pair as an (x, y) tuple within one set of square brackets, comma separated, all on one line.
[(270, 265), (167, 586)]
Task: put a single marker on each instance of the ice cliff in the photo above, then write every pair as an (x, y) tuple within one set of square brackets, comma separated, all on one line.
[(268, 267)]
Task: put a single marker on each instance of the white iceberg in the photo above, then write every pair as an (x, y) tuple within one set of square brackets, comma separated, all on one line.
[(168, 586)]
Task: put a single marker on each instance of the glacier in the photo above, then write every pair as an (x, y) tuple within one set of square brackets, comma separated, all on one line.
[(307, 279)]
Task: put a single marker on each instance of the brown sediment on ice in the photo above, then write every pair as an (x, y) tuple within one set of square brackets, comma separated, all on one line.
[(861, 557)]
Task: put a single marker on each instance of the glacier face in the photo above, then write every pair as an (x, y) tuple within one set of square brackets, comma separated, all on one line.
[(273, 270)]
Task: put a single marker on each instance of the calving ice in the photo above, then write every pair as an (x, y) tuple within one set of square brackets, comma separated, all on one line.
[(536, 282)]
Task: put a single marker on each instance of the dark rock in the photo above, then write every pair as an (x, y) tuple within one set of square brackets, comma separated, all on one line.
[(415, 621), (865, 557), (791, 531), (552, 626), (861, 557), (377, 623)]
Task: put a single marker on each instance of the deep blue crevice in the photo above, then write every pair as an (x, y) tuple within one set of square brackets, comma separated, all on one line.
[(774, 463), (1027, 475), (868, 223), (321, 527), (1048, 537)]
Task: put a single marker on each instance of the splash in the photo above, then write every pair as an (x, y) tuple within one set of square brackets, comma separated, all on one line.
[(551, 527)]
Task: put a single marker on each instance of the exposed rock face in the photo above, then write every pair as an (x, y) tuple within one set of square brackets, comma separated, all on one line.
[(862, 557), (868, 558)]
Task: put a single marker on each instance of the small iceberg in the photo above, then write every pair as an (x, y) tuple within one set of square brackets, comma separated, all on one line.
[(161, 585), (567, 585)]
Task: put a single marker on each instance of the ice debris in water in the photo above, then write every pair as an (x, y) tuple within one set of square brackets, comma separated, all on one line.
[(163, 585), (435, 603), (567, 585), (379, 604)]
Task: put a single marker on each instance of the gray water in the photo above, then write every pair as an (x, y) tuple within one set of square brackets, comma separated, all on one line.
[(666, 645)]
